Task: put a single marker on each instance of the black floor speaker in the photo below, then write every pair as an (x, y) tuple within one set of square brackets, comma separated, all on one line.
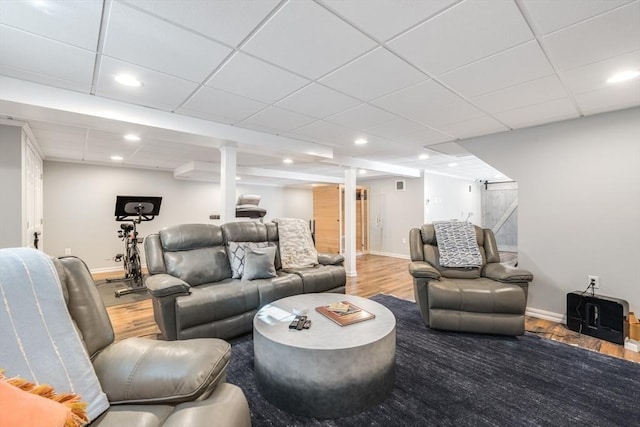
[(598, 316)]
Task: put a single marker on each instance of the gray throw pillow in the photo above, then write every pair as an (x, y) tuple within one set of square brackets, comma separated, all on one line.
[(236, 253), (258, 263)]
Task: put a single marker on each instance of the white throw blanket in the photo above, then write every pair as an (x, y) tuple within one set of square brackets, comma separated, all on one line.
[(39, 340), (296, 245), (457, 244)]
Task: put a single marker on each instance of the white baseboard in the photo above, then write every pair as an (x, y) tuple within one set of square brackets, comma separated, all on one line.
[(105, 270), (389, 254), (632, 345), (546, 315)]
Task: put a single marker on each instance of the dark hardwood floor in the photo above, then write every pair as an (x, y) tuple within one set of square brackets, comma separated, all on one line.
[(376, 274)]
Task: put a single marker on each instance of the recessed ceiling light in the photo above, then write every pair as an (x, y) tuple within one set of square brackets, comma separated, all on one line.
[(423, 156), (287, 161), (361, 141), (452, 164), (117, 158), (238, 178), (623, 76), (362, 171), (128, 80), (132, 137)]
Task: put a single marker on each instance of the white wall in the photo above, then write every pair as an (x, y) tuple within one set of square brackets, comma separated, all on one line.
[(392, 214), (298, 203), (79, 203), (579, 203), (11, 186), (447, 198)]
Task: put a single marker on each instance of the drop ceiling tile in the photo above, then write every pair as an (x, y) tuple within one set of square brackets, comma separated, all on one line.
[(324, 132), (551, 15), (79, 18), (594, 76), (374, 146), (286, 40), (507, 68), (395, 128), (384, 19), (318, 101), (473, 127), (362, 116), (228, 21), (255, 79), (375, 74), (138, 38), (100, 150), (30, 57), (175, 151), (61, 136), (464, 33), (430, 104), (622, 95), (60, 140), (531, 92), (158, 91), (215, 105), (62, 153), (613, 33), (277, 119), (547, 112), (450, 148), (259, 128), (424, 137)]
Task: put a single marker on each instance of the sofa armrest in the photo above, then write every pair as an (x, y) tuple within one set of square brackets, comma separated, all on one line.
[(140, 370), (507, 274), (162, 285), (424, 270), (330, 259)]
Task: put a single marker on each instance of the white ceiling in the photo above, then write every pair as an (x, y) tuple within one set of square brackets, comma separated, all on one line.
[(300, 77)]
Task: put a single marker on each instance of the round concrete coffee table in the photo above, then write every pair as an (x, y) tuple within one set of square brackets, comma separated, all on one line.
[(327, 371)]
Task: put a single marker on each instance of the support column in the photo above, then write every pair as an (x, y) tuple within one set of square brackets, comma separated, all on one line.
[(350, 221), (227, 183)]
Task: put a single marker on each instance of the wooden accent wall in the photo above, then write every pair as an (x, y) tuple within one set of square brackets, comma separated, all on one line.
[(326, 213)]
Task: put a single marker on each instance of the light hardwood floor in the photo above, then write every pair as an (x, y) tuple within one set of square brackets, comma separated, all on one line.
[(376, 274)]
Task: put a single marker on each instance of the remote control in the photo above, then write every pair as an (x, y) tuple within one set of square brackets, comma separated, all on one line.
[(306, 324), (294, 323), (301, 321)]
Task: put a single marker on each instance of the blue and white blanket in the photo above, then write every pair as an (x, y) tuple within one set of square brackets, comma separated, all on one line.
[(457, 244), (39, 340)]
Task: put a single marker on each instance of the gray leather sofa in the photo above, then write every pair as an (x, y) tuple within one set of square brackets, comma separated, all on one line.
[(489, 299), (147, 382), (194, 294)]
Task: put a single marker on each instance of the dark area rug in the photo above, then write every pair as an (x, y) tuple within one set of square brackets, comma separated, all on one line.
[(107, 293), (456, 379)]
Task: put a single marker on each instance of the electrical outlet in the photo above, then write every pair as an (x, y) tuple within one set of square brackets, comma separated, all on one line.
[(404, 241), (67, 251), (595, 281)]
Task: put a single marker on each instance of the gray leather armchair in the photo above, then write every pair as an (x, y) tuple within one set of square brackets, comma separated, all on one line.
[(147, 382), (489, 299)]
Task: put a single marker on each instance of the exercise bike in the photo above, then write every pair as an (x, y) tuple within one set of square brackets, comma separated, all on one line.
[(133, 210), (131, 257)]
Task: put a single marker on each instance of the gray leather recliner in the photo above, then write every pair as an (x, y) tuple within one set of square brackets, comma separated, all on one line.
[(194, 294), (489, 299), (175, 383)]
